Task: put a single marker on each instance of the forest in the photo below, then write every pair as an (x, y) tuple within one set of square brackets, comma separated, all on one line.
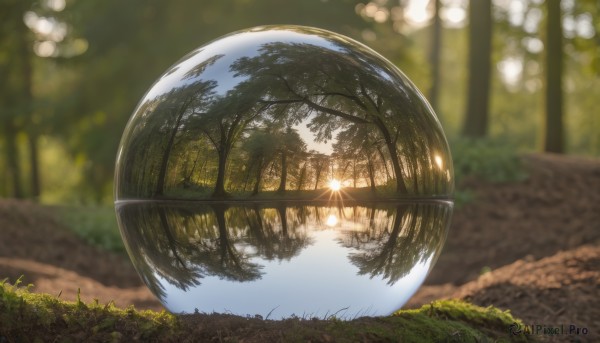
[(521, 75), (299, 170)]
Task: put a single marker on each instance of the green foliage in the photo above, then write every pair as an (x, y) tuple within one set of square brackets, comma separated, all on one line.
[(462, 197), (61, 175), (486, 159), (486, 319), (468, 323), (30, 317), (81, 98), (96, 225)]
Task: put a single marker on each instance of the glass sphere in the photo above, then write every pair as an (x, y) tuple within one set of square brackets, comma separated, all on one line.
[(282, 171)]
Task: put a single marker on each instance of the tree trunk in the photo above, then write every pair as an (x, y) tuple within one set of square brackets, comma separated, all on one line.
[(12, 160), (371, 171), (189, 176), (393, 150), (386, 254), (282, 211), (224, 244), (259, 170), (553, 135), (160, 185), (434, 57), (400, 186), (480, 38), (35, 169), (354, 173), (27, 99), (317, 176), (219, 191), (302, 177), (170, 239), (247, 176), (383, 160), (282, 183)]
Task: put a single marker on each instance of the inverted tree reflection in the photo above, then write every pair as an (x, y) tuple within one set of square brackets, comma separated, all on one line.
[(182, 244), (394, 243)]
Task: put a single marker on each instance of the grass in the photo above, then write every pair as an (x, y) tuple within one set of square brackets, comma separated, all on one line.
[(31, 317), (483, 159), (486, 159), (96, 225)]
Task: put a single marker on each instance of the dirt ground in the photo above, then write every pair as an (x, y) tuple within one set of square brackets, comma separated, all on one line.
[(532, 247)]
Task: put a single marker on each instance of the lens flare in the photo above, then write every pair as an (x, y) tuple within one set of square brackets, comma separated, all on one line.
[(332, 220), (335, 185)]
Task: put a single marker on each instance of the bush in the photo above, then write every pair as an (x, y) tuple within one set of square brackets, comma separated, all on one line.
[(96, 225), (486, 159)]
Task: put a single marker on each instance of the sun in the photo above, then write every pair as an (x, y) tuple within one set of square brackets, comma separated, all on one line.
[(335, 185), (332, 220)]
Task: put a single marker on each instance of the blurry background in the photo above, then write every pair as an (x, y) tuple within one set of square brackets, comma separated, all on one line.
[(504, 76)]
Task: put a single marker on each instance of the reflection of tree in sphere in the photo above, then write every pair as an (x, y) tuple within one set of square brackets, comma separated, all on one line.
[(283, 111), (258, 128)]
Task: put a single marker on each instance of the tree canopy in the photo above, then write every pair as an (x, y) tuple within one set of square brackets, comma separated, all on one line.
[(73, 72)]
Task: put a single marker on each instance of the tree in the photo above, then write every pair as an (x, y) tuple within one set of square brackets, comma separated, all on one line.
[(147, 149), (291, 147), (359, 143), (261, 151), (553, 133), (480, 37), (416, 235), (302, 172), (184, 244), (224, 122), (253, 119), (354, 96), (194, 96), (179, 112), (150, 235), (119, 35), (434, 55), (274, 236), (320, 163), (15, 89)]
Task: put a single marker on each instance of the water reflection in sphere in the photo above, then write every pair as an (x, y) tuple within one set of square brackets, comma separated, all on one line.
[(283, 167)]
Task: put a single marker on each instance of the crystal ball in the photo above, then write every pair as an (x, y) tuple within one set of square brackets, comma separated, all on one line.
[(283, 171)]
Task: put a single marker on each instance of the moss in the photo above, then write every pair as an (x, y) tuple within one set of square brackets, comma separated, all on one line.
[(31, 317), (467, 322)]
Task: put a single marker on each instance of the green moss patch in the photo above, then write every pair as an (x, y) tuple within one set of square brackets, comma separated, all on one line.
[(31, 317)]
